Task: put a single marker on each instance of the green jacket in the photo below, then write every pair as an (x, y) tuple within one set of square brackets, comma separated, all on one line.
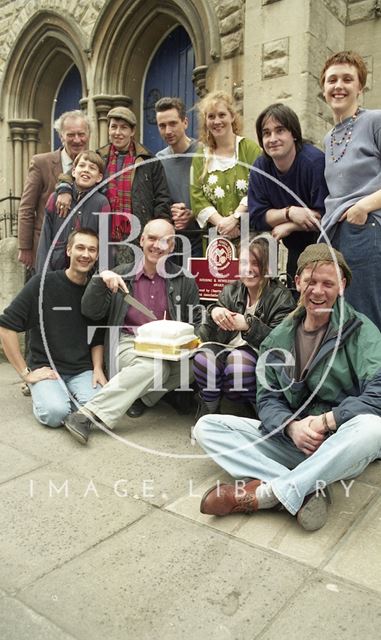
[(344, 375)]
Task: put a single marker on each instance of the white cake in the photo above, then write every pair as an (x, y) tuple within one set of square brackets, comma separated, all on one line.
[(165, 337)]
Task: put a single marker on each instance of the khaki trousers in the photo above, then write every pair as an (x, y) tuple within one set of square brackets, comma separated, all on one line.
[(139, 377)]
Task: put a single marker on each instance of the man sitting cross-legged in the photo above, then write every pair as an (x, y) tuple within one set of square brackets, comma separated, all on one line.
[(318, 400), (167, 291), (58, 335)]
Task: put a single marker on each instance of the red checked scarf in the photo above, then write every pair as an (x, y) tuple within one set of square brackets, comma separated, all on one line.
[(119, 193)]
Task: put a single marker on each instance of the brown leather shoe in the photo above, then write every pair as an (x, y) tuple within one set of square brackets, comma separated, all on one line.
[(223, 499)]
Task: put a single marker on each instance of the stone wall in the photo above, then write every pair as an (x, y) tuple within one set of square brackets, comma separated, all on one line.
[(260, 50), (286, 44), (226, 72), (16, 13), (230, 14), (276, 56), (11, 272)]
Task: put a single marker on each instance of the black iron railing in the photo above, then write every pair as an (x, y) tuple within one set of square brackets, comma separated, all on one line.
[(8, 215)]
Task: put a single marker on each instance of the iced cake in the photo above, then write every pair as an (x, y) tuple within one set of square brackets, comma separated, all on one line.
[(165, 337)]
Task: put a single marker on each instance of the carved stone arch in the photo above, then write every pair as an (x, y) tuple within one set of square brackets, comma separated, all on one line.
[(127, 34), (44, 50)]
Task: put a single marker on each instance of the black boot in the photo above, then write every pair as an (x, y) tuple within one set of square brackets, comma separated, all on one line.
[(181, 401), (205, 408), (136, 409)]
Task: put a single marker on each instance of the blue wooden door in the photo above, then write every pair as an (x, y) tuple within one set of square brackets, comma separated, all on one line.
[(68, 97), (169, 74)]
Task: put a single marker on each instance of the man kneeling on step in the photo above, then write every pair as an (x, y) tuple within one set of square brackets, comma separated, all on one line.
[(318, 400)]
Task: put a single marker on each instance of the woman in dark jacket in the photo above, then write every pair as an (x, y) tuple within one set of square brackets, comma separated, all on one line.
[(236, 324)]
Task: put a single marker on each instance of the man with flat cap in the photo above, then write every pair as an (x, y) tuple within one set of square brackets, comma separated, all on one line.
[(137, 185), (318, 401)]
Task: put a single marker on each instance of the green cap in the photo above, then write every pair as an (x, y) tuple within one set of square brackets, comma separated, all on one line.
[(323, 253)]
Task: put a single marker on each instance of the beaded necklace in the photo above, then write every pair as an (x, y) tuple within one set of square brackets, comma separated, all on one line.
[(346, 137)]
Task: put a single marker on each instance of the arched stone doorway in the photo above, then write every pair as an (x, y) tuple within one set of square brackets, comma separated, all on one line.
[(169, 74), (44, 52), (126, 39)]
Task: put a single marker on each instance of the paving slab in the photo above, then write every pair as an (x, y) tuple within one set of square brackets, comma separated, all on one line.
[(42, 528), (31, 438), (164, 466), (168, 579), (160, 429), (96, 564), (279, 531), (20, 429), (372, 474), (328, 609), (359, 556), (14, 463), (161, 432), (20, 622), (15, 402)]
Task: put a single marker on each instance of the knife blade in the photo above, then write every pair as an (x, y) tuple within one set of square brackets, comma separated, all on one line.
[(139, 306)]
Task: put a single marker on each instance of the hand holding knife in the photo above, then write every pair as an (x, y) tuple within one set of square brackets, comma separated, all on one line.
[(115, 282)]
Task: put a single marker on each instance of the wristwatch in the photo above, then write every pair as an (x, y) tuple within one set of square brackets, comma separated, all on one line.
[(24, 372), (237, 215)]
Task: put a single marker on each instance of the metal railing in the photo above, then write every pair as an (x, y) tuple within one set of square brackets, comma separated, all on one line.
[(8, 216)]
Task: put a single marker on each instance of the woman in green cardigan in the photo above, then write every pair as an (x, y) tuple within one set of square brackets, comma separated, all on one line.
[(219, 176)]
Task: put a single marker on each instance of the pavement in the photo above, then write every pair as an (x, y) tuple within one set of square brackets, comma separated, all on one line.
[(107, 541)]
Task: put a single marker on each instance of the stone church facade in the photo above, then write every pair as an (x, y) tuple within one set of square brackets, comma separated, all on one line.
[(261, 51)]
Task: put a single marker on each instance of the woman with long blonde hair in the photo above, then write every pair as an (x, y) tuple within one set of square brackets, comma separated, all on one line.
[(219, 178)]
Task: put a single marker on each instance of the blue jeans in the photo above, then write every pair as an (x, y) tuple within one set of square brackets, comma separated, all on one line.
[(237, 445), (51, 399), (361, 247)]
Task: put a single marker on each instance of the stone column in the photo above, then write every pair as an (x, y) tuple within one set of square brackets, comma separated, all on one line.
[(17, 136), (102, 107), (24, 136), (32, 128), (199, 80)]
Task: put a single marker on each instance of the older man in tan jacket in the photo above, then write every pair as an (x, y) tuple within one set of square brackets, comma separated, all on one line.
[(73, 129)]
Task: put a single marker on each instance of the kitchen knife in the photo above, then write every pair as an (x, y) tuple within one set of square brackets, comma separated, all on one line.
[(139, 306)]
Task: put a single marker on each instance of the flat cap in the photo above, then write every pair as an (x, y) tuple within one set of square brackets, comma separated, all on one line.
[(323, 253), (124, 114)]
